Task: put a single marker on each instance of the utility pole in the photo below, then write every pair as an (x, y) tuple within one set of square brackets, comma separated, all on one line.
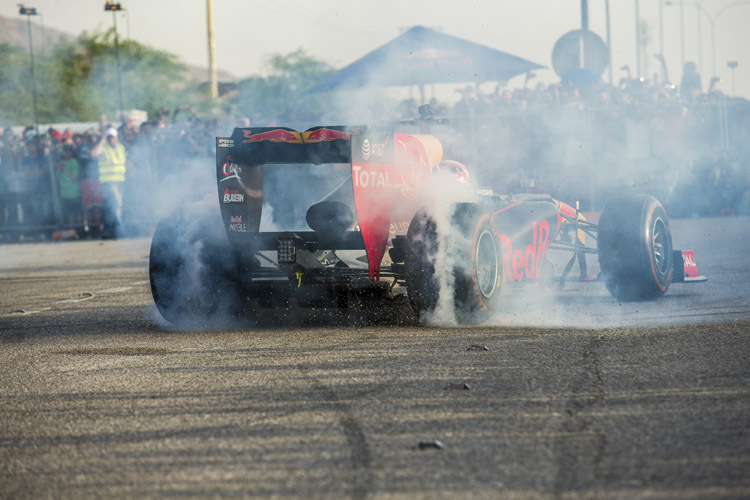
[(57, 208), (682, 37), (114, 8), (609, 41), (661, 27), (584, 14), (712, 19), (698, 9), (733, 66), (28, 12), (637, 39), (213, 82)]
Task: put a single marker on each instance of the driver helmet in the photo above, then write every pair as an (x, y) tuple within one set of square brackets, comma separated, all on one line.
[(455, 168)]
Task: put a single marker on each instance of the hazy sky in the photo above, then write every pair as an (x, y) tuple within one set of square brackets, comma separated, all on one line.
[(341, 31)]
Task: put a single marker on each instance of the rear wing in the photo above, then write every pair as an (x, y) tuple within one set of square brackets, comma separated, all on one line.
[(240, 160), (264, 145), (387, 171)]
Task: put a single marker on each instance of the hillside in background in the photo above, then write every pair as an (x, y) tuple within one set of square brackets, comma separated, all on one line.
[(15, 32)]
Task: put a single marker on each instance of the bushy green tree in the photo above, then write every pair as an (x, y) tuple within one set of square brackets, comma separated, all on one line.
[(16, 97), (77, 81), (150, 78), (280, 95)]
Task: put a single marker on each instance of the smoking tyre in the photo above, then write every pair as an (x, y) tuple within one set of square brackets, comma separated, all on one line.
[(476, 270), (635, 248), (191, 269)]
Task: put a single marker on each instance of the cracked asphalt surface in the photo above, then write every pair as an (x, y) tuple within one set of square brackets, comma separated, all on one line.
[(100, 399)]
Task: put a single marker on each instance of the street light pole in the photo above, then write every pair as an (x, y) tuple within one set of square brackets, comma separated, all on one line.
[(584, 15), (661, 27), (213, 85), (712, 20), (698, 9), (733, 65), (57, 209), (682, 36), (637, 40), (609, 41), (114, 8), (28, 12)]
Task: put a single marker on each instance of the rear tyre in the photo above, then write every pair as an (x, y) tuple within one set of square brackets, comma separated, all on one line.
[(191, 269), (635, 248), (473, 253), (419, 263)]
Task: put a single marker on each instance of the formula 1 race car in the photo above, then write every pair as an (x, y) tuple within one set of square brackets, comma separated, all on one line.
[(386, 215)]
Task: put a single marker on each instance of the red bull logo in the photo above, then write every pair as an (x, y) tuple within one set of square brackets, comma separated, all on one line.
[(276, 135), (325, 134)]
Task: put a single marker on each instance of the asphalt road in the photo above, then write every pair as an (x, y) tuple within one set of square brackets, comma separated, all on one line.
[(577, 396)]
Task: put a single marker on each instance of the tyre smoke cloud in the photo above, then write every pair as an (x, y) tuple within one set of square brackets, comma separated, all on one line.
[(535, 304), (188, 218), (576, 163)]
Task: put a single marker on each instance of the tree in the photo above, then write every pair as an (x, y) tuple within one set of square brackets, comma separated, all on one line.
[(16, 98), (151, 79), (78, 81), (280, 96)]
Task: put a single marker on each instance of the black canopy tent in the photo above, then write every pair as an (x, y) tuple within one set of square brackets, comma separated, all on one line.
[(421, 55)]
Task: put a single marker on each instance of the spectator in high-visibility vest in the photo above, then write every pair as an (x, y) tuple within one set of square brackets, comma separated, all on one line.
[(112, 158)]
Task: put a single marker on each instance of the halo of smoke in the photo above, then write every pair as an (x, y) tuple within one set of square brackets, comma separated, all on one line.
[(440, 199), (506, 160), (193, 206)]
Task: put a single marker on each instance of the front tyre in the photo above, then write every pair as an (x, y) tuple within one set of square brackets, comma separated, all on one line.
[(478, 280), (635, 248)]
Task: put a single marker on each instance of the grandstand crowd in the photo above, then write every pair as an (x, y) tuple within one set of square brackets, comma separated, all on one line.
[(687, 146)]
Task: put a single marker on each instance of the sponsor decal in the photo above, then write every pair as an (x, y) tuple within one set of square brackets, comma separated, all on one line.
[(366, 149), (233, 196), (230, 170), (226, 143), (277, 135), (525, 263), (376, 148), (485, 192), (370, 178), (691, 269), (399, 227), (237, 227)]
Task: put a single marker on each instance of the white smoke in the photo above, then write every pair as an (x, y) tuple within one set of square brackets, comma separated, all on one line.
[(569, 167), (441, 195)]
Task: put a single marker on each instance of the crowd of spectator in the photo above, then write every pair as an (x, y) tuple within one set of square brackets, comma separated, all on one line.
[(688, 147), (98, 183)]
